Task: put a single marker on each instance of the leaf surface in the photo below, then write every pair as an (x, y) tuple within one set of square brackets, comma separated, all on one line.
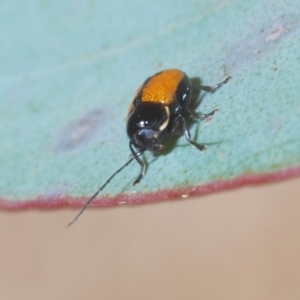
[(68, 72)]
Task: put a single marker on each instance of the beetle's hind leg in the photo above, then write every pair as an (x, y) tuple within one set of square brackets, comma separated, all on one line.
[(212, 89), (201, 116)]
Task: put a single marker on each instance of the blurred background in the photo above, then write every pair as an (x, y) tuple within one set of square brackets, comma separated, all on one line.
[(241, 244)]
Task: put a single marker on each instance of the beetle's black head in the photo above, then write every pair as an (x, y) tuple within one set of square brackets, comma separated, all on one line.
[(147, 126)]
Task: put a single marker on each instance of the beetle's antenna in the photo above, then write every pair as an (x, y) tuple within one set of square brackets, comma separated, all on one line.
[(100, 189)]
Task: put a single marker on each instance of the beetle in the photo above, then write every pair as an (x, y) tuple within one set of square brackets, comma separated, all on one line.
[(159, 105)]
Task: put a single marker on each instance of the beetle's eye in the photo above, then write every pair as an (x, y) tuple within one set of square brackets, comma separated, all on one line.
[(150, 134)]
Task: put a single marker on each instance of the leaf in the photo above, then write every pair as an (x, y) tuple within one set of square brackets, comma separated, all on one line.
[(68, 72)]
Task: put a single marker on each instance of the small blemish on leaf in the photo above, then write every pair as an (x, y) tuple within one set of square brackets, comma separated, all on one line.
[(262, 41), (81, 131), (184, 195), (222, 153), (281, 27), (275, 34)]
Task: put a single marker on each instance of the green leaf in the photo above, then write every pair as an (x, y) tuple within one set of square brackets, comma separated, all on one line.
[(69, 70)]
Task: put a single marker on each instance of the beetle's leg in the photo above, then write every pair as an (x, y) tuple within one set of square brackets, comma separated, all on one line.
[(188, 136), (209, 89), (199, 115), (212, 89), (141, 163)]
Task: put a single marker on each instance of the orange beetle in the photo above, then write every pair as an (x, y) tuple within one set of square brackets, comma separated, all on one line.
[(160, 104)]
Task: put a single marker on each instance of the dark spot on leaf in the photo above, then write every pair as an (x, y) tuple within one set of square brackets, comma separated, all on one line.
[(82, 131)]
